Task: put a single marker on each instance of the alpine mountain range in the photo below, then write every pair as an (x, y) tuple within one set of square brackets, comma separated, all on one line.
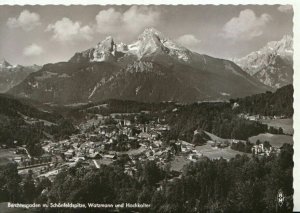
[(152, 69), (12, 75)]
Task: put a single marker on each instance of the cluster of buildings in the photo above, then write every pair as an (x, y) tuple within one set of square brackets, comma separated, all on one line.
[(260, 149), (24, 159), (247, 116), (105, 139)]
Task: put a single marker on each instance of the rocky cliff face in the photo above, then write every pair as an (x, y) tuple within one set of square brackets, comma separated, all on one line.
[(272, 64)]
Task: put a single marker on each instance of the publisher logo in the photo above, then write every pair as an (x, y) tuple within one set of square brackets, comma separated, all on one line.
[(280, 197)]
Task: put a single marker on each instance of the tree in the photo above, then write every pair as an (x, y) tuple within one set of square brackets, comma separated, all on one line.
[(43, 183), (28, 189), (151, 173), (9, 183), (280, 131), (267, 145)]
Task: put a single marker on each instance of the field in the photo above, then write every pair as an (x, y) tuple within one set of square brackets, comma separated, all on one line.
[(211, 152), (275, 140), (104, 161), (214, 137), (215, 153), (208, 151), (286, 124), (218, 139)]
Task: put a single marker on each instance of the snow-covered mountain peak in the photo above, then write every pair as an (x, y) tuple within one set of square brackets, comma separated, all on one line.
[(272, 64), (283, 47), (106, 44), (105, 50), (150, 43), (121, 47), (151, 32)]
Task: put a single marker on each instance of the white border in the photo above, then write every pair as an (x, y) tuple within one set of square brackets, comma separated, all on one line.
[(296, 6), (146, 2)]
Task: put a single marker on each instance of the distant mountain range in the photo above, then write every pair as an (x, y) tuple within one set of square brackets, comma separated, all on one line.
[(11, 75), (272, 64), (152, 69)]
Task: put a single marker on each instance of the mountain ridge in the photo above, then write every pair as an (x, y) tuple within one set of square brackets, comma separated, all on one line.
[(272, 64), (12, 75), (151, 69)]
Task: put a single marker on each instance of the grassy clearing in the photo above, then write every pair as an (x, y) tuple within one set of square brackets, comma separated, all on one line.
[(275, 140), (215, 153)]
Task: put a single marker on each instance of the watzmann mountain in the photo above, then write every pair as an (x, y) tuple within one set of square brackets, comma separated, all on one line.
[(152, 69), (272, 64)]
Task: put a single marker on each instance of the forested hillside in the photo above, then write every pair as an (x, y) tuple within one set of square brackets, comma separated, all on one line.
[(217, 118), (21, 124), (279, 103)]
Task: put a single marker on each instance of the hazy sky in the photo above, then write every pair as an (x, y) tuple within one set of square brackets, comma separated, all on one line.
[(46, 34)]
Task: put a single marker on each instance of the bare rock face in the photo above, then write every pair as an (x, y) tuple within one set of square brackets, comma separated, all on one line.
[(105, 50), (272, 64), (149, 44)]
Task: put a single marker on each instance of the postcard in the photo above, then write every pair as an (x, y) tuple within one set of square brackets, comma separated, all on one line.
[(136, 107)]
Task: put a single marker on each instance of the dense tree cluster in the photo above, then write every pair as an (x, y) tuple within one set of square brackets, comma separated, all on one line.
[(217, 118), (14, 108), (15, 189), (242, 147), (242, 184), (16, 131), (125, 106), (200, 138), (279, 103)]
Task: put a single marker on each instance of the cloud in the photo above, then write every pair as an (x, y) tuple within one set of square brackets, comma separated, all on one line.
[(188, 40), (107, 20), (33, 50), (26, 20), (137, 18), (285, 8), (246, 26), (67, 30), (132, 21)]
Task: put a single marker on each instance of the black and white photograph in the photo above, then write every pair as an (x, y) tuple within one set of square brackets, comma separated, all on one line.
[(147, 108)]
